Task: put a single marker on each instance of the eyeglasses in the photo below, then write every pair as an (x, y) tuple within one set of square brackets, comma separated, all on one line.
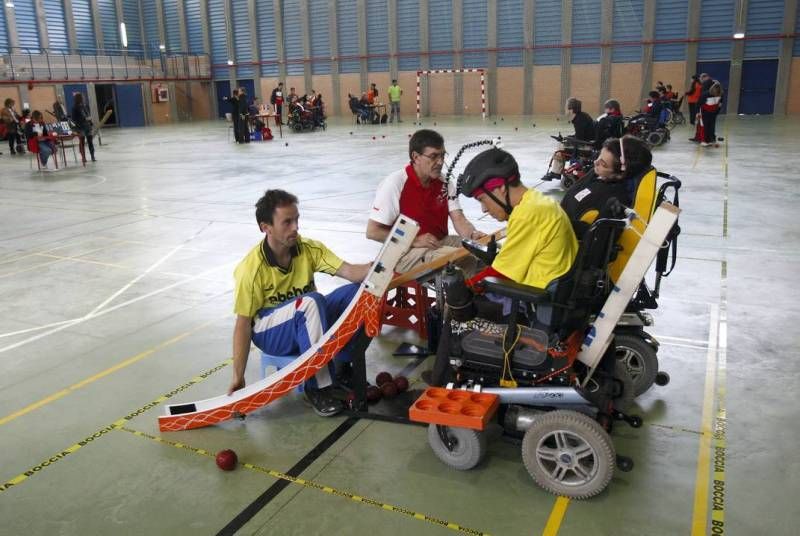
[(434, 157)]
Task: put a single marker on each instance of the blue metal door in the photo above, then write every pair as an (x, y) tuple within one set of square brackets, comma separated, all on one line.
[(69, 92), (223, 88), (758, 86), (718, 70), (130, 108), (248, 86)]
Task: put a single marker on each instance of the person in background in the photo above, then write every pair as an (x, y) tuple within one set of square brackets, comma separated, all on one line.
[(39, 139), (692, 96), (58, 110), (394, 101), (276, 99), (242, 111), (83, 122), (11, 120)]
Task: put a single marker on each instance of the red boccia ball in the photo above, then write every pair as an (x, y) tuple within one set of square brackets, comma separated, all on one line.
[(373, 394), (382, 378), (389, 390), (227, 460), (401, 382)]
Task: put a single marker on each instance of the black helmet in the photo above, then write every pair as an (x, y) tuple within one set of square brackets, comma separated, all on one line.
[(491, 163)]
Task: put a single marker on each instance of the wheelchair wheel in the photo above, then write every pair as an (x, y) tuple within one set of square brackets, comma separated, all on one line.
[(639, 359), (655, 138), (459, 448), (569, 454), (623, 392)]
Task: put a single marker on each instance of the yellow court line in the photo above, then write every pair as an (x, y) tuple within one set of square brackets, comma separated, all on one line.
[(556, 517), (317, 486), (701, 485), (91, 379), (41, 466)]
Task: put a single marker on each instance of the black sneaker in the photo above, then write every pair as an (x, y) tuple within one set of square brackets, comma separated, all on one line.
[(323, 403), (344, 375), (551, 176)]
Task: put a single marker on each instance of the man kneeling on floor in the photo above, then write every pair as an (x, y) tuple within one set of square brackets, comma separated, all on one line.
[(275, 298)]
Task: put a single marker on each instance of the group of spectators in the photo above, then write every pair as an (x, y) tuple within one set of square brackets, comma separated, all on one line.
[(275, 299), (298, 104), (705, 102), (367, 108), (31, 127)]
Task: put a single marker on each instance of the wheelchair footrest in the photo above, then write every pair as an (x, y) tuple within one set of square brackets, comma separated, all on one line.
[(456, 408)]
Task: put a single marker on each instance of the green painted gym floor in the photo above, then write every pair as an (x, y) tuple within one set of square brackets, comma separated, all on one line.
[(116, 289)]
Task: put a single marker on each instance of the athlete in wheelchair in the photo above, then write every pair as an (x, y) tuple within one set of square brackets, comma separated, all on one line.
[(650, 125), (623, 171), (516, 328)]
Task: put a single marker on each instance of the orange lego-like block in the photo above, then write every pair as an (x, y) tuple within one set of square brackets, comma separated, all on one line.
[(449, 407)]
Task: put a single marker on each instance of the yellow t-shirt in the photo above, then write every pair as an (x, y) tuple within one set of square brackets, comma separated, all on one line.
[(540, 243), (261, 283)]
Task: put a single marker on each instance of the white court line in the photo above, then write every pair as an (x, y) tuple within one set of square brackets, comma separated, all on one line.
[(61, 325), (64, 324)]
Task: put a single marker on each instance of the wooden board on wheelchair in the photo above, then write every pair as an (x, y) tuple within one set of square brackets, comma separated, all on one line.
[(425, 270)]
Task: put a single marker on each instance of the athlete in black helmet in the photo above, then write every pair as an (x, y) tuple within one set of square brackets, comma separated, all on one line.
[(540, 244)]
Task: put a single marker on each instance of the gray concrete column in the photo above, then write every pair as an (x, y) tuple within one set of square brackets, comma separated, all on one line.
[(44, 38), (648, 34), (334, 41), (693, 32), (393, 62), (785, 58), (162, 32), (11, 27), (606, 36), (184, 36), (424, 59), (98, 28), (527, 57), (737, 56), (458, 57), (566, 52), (69, 21), (306, 29), (212, 93), (229, 42), (254, 46), (361, 15), (491, 64), (277, 11)]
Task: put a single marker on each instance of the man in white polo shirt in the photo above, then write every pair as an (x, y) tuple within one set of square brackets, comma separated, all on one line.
[(419, 192)]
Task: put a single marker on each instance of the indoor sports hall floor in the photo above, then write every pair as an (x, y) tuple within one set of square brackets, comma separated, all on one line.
[(115, 284)]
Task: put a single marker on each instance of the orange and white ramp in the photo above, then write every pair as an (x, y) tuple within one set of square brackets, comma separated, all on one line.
[(363, 310)]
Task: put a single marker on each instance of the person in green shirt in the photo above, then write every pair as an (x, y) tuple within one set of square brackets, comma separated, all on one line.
[(394, 101)]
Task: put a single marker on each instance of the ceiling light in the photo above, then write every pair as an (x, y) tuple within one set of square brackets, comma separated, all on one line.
[(738, 35)]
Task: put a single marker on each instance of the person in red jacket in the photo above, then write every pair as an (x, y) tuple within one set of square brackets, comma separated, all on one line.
[(39, 139), (692, 96)]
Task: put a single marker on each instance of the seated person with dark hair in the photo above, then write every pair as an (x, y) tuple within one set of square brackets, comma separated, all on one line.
[(358, 108), (610, 124), (653, 107), (622, 161), (39, 139), (584, 132), (277, 306)]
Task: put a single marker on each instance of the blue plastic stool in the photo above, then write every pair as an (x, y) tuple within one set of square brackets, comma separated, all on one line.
[(277, 361), (280, 361)]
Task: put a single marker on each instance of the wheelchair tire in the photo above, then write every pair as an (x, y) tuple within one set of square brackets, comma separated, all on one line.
[(467, 449), (655, 138), (569, 454), (639, 359)]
